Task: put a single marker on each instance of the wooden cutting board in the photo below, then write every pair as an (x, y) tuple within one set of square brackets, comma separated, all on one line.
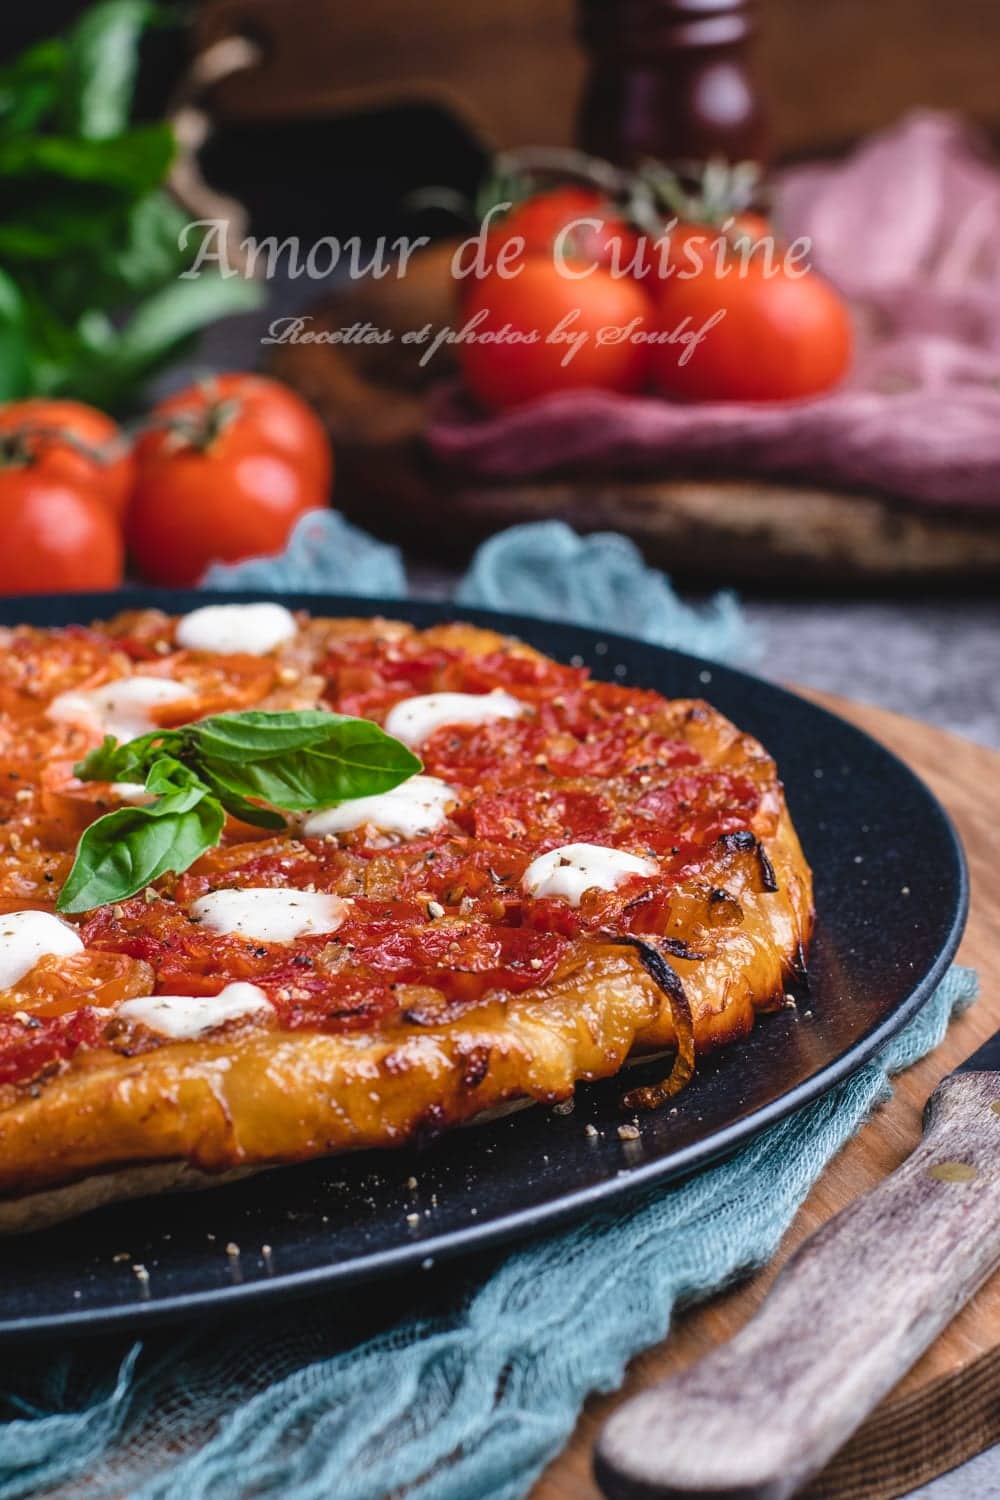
[(948, 1408)]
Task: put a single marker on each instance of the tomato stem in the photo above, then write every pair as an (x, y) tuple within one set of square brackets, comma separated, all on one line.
[(704, 192), (18, 452), (199, 429)]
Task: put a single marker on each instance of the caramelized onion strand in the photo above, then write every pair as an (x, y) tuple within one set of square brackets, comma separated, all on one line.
[(768, 879), (668, 981)]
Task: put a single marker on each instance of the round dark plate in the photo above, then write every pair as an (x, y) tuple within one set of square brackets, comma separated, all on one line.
[(891, 896)]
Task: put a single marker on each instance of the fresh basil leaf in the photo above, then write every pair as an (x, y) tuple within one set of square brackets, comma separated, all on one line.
[(168, 777), (126, 850), (229, 763), (356, 760), (103, 52), (109, 762), (181, 800), (130, 760), (248, 736), (247, 812)]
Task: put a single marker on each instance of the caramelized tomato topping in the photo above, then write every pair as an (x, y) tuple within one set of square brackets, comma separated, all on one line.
[(30, 1048), (436, 922)]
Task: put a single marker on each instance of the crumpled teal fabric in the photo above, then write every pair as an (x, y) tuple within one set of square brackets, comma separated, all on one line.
[(545, 569), (325, 554), (542, 569), (465, 1386)]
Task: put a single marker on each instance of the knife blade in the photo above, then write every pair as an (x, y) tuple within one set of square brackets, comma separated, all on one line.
[(850, 1312)]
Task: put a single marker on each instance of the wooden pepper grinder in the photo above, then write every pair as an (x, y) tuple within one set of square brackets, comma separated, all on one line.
[(669, 79)]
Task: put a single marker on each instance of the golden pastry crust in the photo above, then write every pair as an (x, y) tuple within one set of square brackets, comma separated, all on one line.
[(251, 1096)]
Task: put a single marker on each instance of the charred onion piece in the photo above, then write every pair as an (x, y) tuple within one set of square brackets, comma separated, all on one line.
[(800, 967), (678, 948), (653, 1096), (744, 840), (768, 879)]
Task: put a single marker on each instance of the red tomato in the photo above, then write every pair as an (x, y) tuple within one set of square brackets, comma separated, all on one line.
[(780, 336), (513, 354), (56, 537), (281, 420), (68, 441), (687, 248), (224, 472), (541, 219)]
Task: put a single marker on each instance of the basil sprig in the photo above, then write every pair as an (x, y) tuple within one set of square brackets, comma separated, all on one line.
[(246, 764)]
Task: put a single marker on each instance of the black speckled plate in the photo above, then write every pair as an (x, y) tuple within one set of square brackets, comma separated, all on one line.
[(891, 893)]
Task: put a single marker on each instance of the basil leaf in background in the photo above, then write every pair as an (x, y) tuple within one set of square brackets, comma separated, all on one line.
[(149, 252), (103, 59), (169, 317), (142, 254), (133, 163), (126, 850), (31, 85), (13, 340), (88, 234)]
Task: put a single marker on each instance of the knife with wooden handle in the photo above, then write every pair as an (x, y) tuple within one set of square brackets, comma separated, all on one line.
[(849, 1314)]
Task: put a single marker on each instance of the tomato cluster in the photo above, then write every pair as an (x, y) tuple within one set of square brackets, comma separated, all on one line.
[(567, 295), (220, 472)]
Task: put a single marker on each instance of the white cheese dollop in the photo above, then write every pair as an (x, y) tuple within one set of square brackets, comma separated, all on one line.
[(27, 936), (121, 708), (252, 628), (414, 719), (270, 915), (576, 868), (133, 792), (415, 807), (188, 1016)]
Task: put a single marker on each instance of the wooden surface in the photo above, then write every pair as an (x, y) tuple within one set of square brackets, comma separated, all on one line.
[(375, 399), (948, 1407)]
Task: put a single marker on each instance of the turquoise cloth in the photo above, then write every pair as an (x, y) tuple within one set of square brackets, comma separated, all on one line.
[(541, 569), (469, 1385)]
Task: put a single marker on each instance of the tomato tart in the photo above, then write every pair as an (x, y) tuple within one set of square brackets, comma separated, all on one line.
[(543, 877)]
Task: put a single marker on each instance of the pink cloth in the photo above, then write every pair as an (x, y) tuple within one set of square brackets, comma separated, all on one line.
[(908, 227)]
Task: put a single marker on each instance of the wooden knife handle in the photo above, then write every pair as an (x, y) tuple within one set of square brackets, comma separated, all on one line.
[(848, 1315)]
